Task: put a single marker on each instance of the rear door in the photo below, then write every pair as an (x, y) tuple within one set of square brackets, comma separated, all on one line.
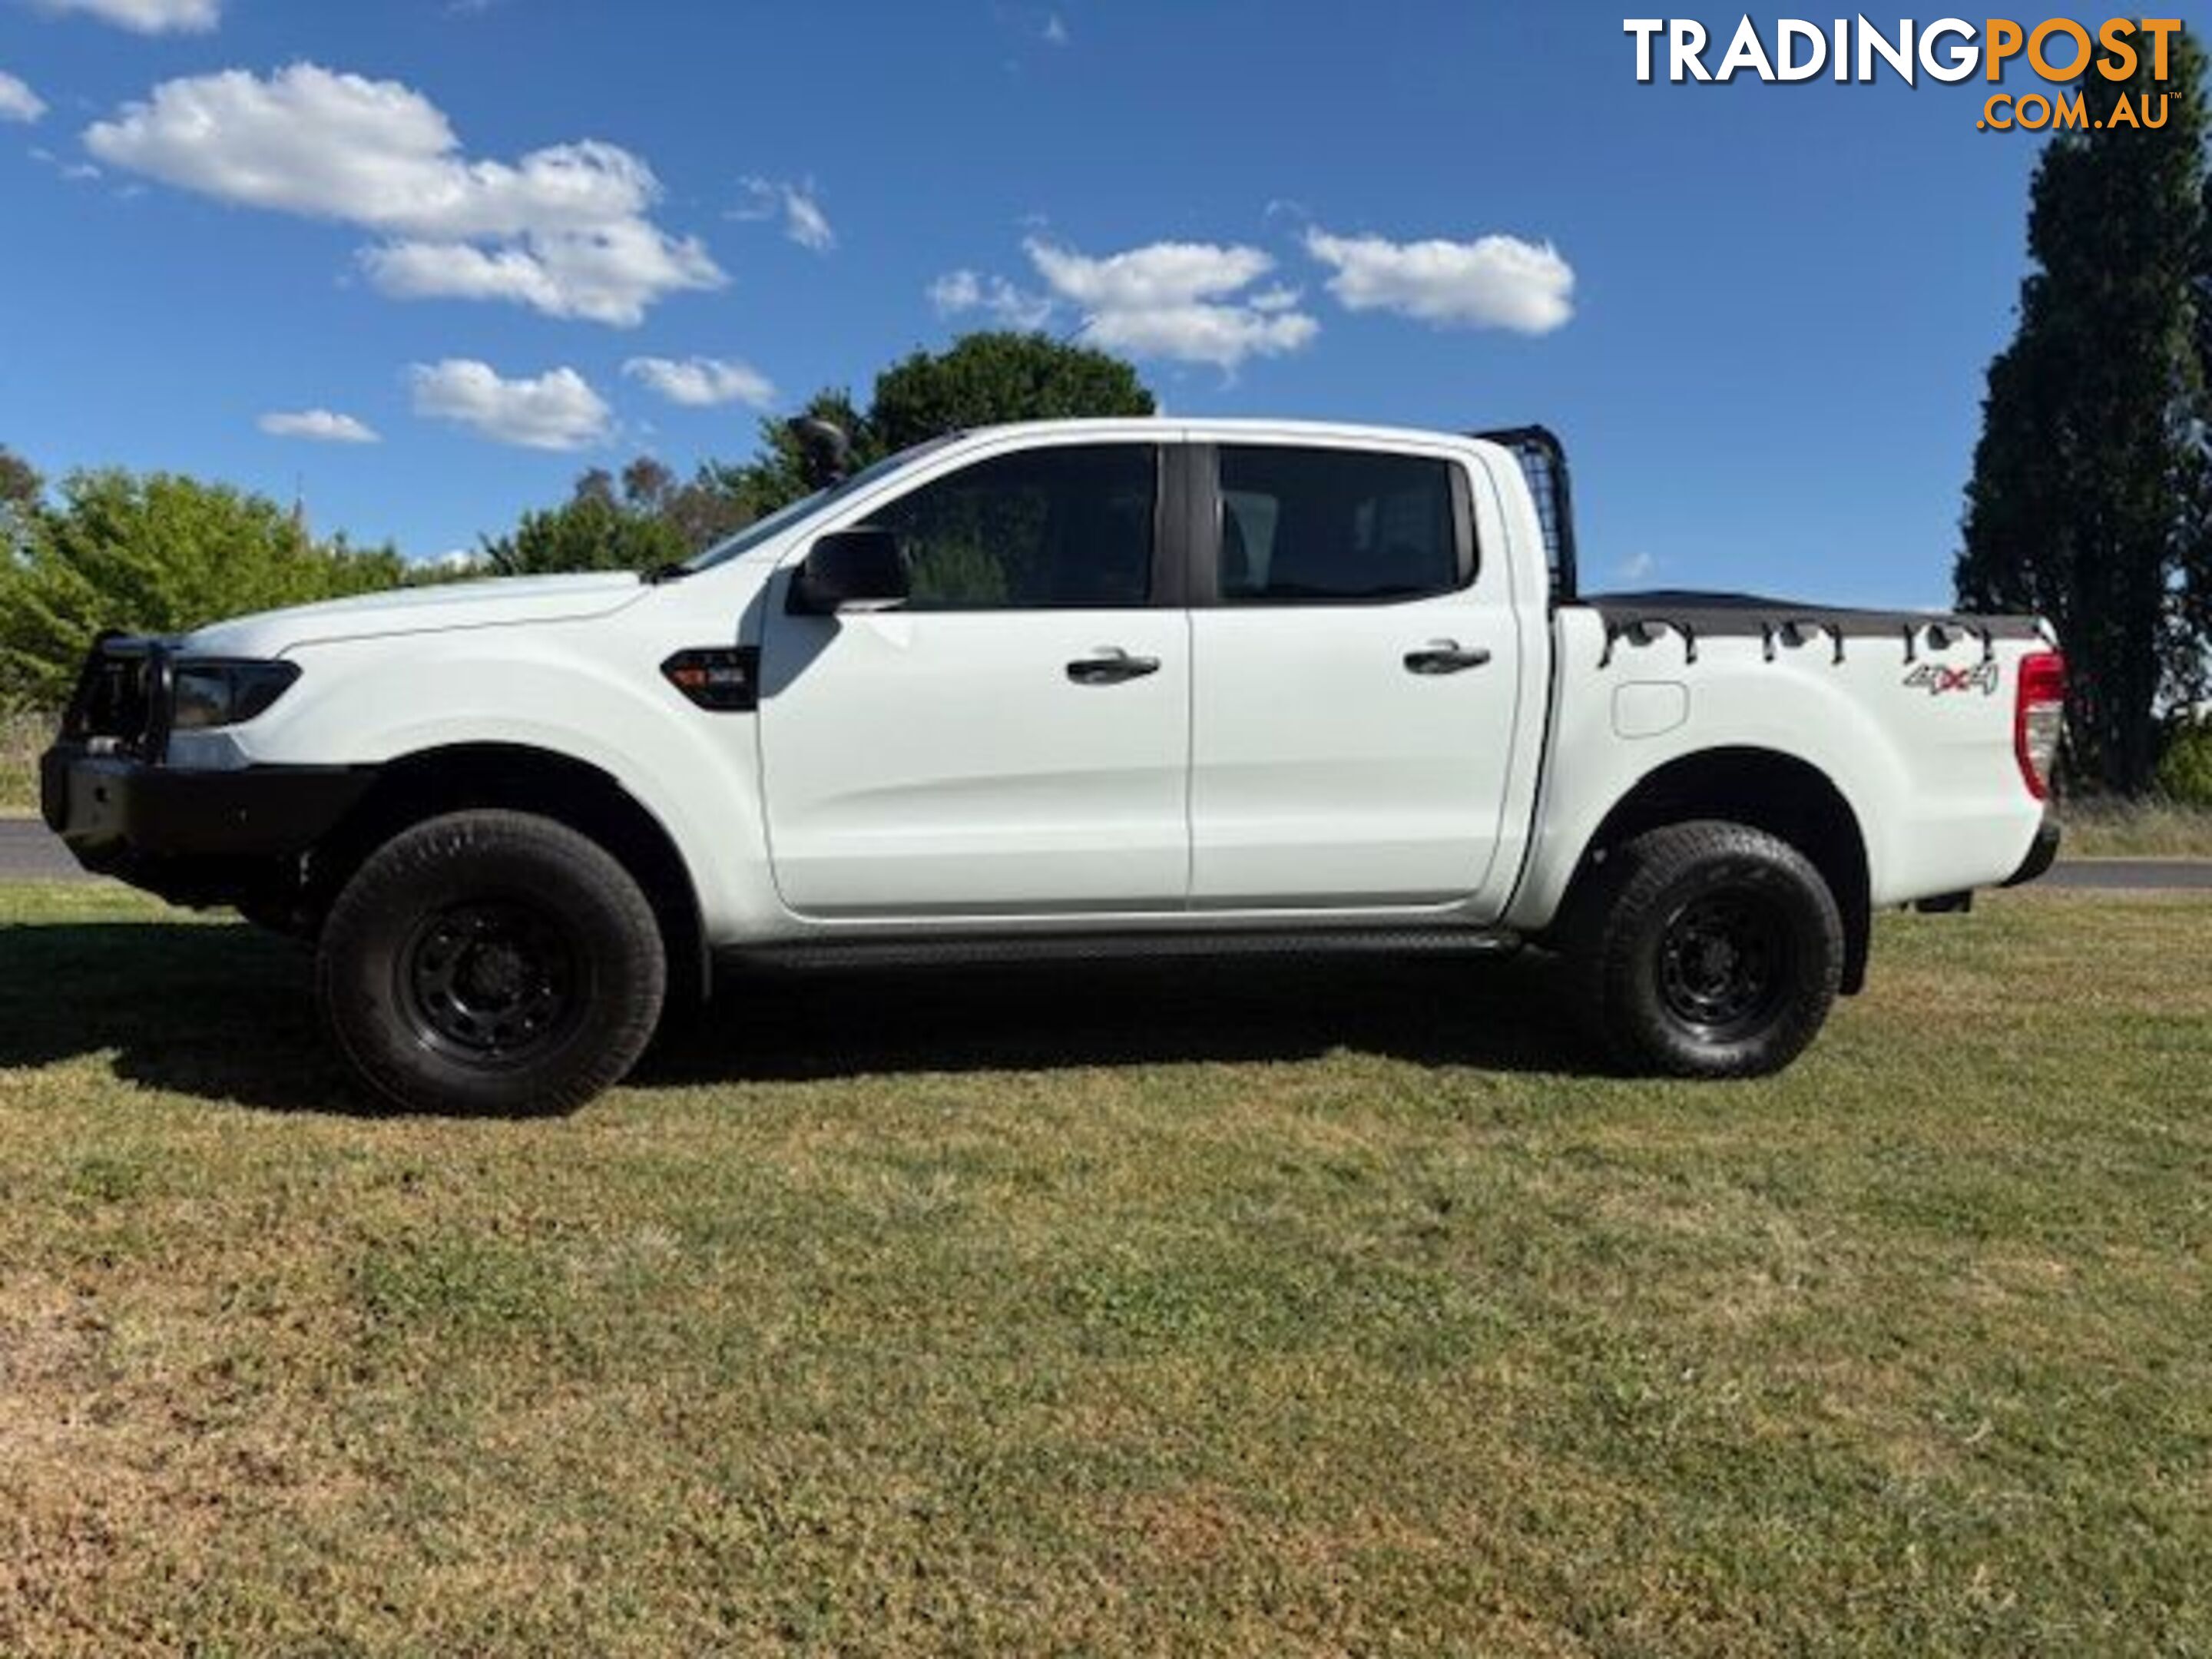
[(1015, 739), (1355, 686)]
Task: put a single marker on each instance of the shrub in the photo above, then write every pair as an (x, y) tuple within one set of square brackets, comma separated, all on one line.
[(2185, 771), (152, 552)]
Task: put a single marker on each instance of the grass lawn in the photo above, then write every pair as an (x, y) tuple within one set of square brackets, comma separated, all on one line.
[(1283, 1309)]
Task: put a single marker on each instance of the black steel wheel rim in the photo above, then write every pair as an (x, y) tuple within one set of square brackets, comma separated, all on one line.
[(492, 982), (1724, 963)]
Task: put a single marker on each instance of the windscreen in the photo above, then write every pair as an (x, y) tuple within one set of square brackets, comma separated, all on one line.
[(763, 530)]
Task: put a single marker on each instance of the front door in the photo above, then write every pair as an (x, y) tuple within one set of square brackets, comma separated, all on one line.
[(1012, 740)]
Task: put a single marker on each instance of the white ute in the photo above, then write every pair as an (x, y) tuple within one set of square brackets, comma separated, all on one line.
[(1098, 686)]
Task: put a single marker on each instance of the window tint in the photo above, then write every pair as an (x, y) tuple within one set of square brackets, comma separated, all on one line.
[(1319, 525), (1067, 525)]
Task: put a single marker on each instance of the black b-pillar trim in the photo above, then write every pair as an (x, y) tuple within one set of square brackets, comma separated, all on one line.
[(1169, 587), (1201, 519)]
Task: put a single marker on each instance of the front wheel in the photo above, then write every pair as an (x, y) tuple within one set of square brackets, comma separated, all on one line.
[(491, 962), (1707, 949)]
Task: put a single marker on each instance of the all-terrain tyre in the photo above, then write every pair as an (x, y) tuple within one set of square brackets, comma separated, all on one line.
[(490, 962), (1707, 949)]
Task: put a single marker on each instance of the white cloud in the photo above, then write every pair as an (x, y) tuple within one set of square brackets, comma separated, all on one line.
[(146, 17), (610, 275), (1493, 281), (1055, 30), (1145, 278), (1636, 566), (702, 382), (1184, 301), (317, 425), (17, 102), (565, 230), (1224, 335), (558, 409), (796, 205), (805, 224), (959, 292), (74, 171)]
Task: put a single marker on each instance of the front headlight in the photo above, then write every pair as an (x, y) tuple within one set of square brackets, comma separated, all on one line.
[(207, 695)]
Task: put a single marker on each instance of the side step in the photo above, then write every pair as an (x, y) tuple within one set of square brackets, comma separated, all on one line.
[(1016, 948)]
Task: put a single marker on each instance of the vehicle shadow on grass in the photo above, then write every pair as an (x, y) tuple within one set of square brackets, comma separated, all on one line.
[(225, 1013), (222, 1012), (1432, 1010)]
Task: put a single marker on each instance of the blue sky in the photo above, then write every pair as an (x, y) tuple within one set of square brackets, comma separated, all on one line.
[(1759, 314)]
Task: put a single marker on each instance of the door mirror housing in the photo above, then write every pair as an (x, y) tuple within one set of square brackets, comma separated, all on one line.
[(849, 570)]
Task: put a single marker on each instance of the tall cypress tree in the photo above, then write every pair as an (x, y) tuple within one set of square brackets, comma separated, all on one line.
[(2091, 501)]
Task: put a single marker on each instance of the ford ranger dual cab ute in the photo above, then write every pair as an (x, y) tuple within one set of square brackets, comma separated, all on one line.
[(1087, 686)]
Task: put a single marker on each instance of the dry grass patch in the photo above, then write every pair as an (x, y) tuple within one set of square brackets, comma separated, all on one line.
[(2137, 829), (23, 739), (1278, 1307)]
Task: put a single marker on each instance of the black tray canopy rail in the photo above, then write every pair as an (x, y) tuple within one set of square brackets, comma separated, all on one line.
[(1641, 618), (1543, 461), (1644, 618)]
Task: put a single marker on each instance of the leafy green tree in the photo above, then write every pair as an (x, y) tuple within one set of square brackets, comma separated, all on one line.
[(20, 483), (2185, 771), (155, 553), (2091, 501), (702, 510), (20, 486), (648, 516), (597, 528), (776, 477), (983, 379), (988, 378)]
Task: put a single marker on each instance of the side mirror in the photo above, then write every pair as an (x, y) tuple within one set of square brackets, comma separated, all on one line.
[(849, 569)]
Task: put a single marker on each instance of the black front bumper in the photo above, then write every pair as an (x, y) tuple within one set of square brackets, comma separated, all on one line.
[(2042, 852), (198, 837)]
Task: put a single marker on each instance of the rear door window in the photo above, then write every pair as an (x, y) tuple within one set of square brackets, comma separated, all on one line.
[(1317, 526)]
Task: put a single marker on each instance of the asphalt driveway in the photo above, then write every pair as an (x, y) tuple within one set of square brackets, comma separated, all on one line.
[(29, 852)]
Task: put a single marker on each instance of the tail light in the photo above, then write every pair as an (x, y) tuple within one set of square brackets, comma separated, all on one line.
[(2037, 717)]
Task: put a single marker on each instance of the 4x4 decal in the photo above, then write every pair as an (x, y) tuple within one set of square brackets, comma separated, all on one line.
[(1936, 679)]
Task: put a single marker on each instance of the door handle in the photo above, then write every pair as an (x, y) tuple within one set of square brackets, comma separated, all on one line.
[(1110, 667), (1445, 657)]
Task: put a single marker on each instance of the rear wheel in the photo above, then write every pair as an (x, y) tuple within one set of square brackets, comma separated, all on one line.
[(1707, 949), (491, 962)]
